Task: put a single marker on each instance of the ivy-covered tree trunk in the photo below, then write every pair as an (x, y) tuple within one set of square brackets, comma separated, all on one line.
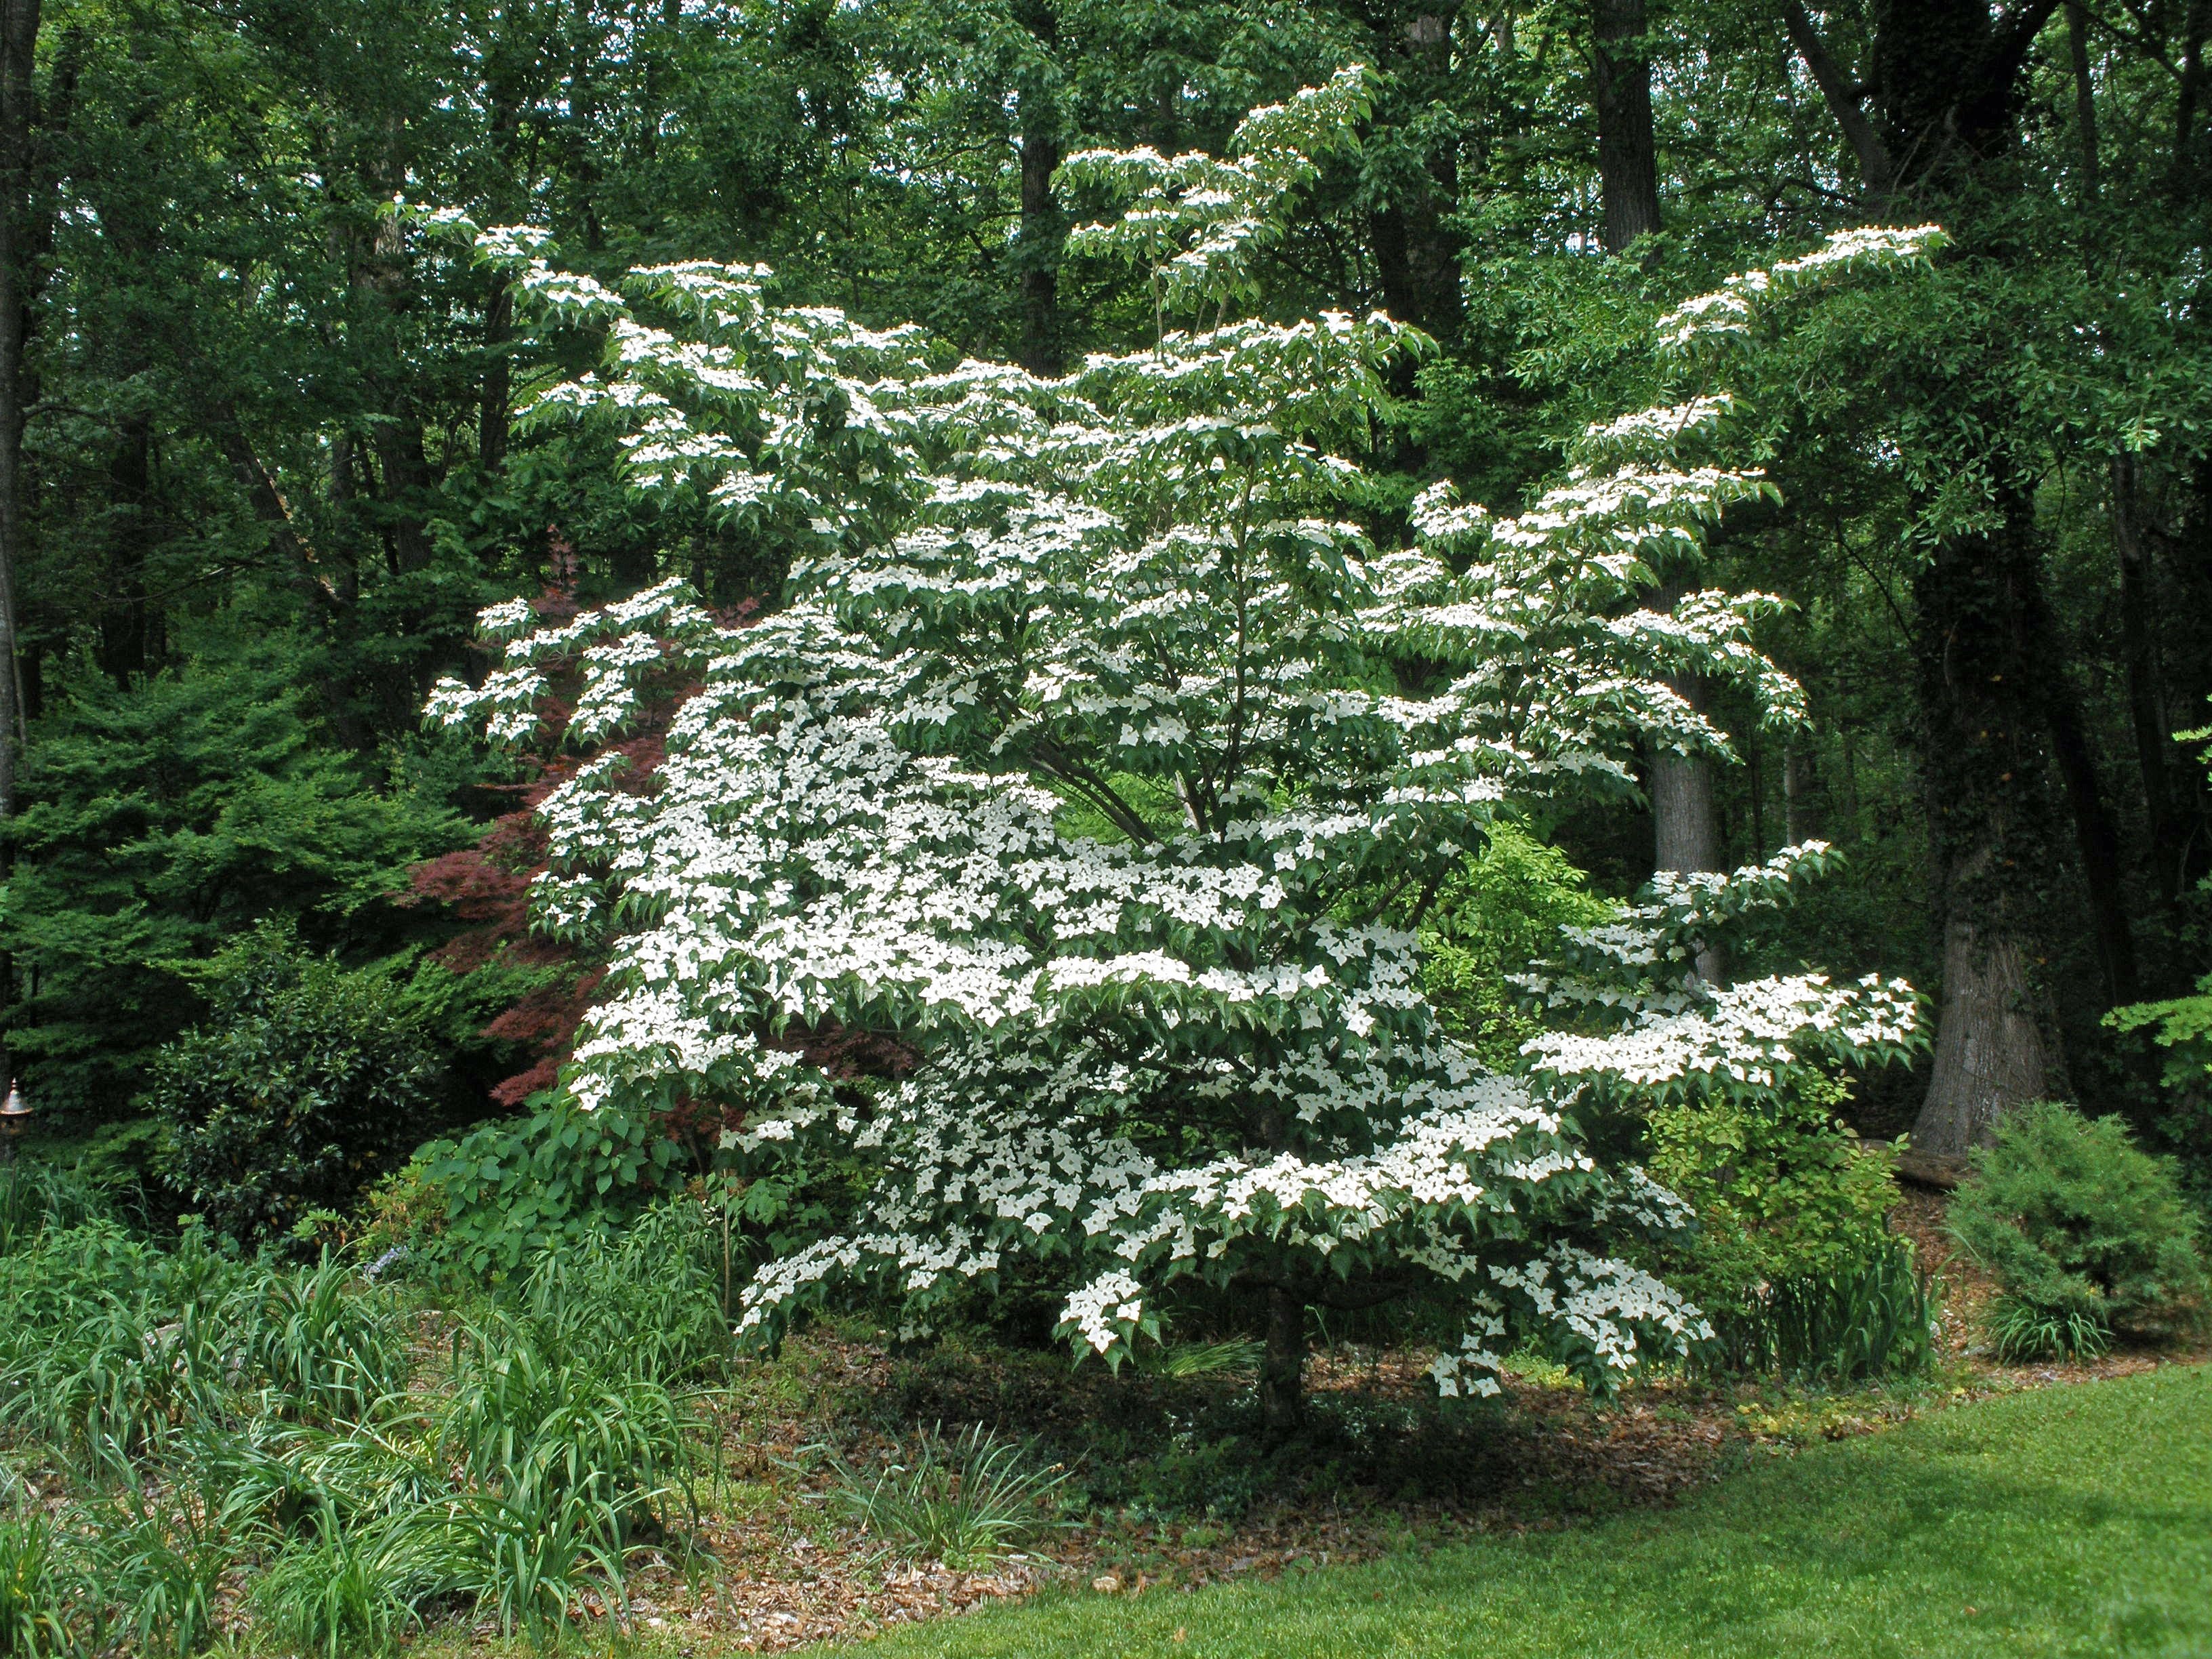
[(1416, 254), (1934, 119), (1041, 234), (1991, 830)]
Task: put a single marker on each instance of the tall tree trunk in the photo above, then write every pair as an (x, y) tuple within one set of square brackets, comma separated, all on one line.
[(1945, 78), (1990, 828), (1685, 824), (2146, 704), (2095, 836), (125, 625), (1416, 254), (1042, 231), (1620, 92), (492, 411), (1282, 1367), (20, 245), (1990, 1053), (1801, 820), (2189, 97), (19, 284)]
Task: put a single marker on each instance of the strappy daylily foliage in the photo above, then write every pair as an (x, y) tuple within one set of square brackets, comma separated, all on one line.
[(1105, 750)]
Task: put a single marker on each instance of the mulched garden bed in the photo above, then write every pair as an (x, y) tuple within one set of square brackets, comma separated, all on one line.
[(1390, 1470)]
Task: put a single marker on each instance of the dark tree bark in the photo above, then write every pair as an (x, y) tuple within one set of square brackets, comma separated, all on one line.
[(1999, 710), (1621, 93), (126, 625), (20, 279), (1846, 102), (1801, 818), (2166, 820), (2085, 97), (1416, 255), (26, 223), (1282, 1367), (1042, 231), (492, 412), (1043, 227), (1992, 830), (2189, 97)]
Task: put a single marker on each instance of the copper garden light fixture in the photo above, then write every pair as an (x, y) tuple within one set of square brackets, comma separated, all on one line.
[(15, 1118)]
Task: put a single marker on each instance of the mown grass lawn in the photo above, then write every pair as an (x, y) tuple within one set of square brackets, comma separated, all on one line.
[(2074, 1521)]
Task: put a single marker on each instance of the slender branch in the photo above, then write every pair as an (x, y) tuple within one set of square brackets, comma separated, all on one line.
[(1877, 166)]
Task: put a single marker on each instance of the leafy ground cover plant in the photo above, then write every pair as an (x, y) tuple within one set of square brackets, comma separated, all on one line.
[(38, 1197), (338, 1592), (646, 1301), (1104, 756), (2086, 1233)]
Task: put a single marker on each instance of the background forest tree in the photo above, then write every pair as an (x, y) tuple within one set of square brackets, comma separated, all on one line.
[(259, 462)]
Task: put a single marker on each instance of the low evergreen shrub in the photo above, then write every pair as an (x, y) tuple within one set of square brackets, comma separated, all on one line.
[(2079, 1224)]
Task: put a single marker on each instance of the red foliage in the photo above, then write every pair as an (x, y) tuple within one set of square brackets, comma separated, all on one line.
[(488, 887)]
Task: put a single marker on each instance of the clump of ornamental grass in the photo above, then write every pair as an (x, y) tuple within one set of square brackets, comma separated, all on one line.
[(963, 1501)]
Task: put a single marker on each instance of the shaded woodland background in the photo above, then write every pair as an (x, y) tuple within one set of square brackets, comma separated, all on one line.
[(261, 461)]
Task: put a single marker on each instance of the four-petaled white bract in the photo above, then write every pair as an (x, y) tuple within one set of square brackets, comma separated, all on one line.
[(1099, 753)]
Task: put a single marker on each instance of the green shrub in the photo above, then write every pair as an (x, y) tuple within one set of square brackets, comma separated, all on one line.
[(518, 1189), (2074, 1219), (305, 1085), (1783, 1190), (1500, 910)]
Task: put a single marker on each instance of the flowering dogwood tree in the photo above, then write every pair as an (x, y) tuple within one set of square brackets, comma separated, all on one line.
[(1101, 752)]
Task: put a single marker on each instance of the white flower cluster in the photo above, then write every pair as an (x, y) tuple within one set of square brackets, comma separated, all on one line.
[(1727, 311), (1089, 753), (1648, 1027)]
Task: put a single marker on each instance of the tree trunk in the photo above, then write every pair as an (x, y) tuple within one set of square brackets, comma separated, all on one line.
[(1990, 827), (1685, 824), (1627, 152), (498, 376), (1037, 251), (1990, 1049), (1686, 815), (126, 623), (1800, 819), (19, 284), (2196, 23), (1282, 1369), (2098, 840), (2146, 705), (1416, 254)]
